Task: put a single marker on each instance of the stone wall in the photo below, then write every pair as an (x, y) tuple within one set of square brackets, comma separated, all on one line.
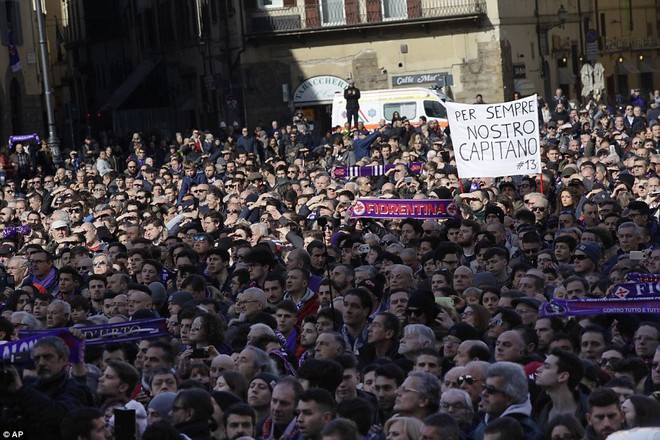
[(489, 74)]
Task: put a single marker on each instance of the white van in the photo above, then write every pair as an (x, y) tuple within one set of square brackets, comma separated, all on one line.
[(410, 102)]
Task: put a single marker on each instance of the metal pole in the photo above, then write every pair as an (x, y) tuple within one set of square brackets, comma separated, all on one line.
[(53, 140)]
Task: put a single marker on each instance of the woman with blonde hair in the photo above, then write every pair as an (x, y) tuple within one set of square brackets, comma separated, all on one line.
[(402, 428)]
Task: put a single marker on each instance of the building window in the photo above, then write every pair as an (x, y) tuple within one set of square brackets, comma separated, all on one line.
[(333, 12), (395, 9), (10, 18), (267, 4), (407, 109)]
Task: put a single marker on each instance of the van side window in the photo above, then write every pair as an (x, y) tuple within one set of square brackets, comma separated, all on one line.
[(407, 109), (434, 109)]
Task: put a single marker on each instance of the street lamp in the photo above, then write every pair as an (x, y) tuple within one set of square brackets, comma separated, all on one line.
[(561, 15)]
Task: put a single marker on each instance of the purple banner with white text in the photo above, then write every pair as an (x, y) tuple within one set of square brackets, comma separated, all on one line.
[(120, 332), (393, 208), (598, 306), (23, 347), (646, 289)]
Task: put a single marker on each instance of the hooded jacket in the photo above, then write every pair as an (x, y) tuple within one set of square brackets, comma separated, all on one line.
[(522, 413)]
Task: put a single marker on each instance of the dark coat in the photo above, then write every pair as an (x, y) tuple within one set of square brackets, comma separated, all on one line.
[(197, 430), (44, 403)]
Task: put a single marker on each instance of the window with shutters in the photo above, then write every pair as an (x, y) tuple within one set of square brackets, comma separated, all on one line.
[(395, 9), (10, 18), (333, 12), (267, 4)]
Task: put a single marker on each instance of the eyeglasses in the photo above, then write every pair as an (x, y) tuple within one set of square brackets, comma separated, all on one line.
[(538, 209), (467, 379), (408, 390), (233, 211), (489, 389), (201, 237), (451, 341), (100, 263), (580, 257), (605, 361), (454, 406)]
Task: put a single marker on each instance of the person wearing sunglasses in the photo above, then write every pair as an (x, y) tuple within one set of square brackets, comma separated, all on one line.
[(506, 393), (587, 257), (473, 380)]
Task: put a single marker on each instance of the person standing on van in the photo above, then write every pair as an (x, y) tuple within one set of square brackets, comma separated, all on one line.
[(352, 95)]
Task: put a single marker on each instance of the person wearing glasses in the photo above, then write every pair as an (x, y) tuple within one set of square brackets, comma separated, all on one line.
[(506, 393), (458, 405), (418, 396), (472, 380), (43, 272)]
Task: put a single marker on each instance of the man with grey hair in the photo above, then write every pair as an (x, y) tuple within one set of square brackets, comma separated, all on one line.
[(257, 330), (24, 321), (457, 403), (42, 404), (252, 361), (364, 273), (58, 315), (473, 380), (251, 308), (401, 277), (418, 396), (19, 267), (415, 337), (506, 394)]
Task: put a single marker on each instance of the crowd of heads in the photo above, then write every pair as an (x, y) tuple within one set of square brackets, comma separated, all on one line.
[(288, 317)]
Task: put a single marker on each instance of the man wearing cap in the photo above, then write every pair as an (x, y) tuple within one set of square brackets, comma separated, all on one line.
[(352, 96), (528, 309), (587, 258), (59, 230)]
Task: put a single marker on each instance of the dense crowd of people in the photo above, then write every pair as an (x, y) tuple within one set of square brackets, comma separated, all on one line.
[(290, 318)]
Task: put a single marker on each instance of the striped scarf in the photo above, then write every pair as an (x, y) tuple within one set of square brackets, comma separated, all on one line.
[(370, 171)]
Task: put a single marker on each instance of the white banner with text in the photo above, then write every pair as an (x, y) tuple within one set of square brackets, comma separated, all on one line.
[(494, 140)]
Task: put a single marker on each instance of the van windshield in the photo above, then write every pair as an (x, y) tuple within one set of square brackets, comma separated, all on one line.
[(405, 109), (434, 109)]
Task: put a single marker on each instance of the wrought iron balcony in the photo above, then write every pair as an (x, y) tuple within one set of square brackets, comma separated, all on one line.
[(310, 15)]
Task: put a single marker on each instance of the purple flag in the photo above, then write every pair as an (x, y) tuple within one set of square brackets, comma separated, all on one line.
[(14, 59)]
